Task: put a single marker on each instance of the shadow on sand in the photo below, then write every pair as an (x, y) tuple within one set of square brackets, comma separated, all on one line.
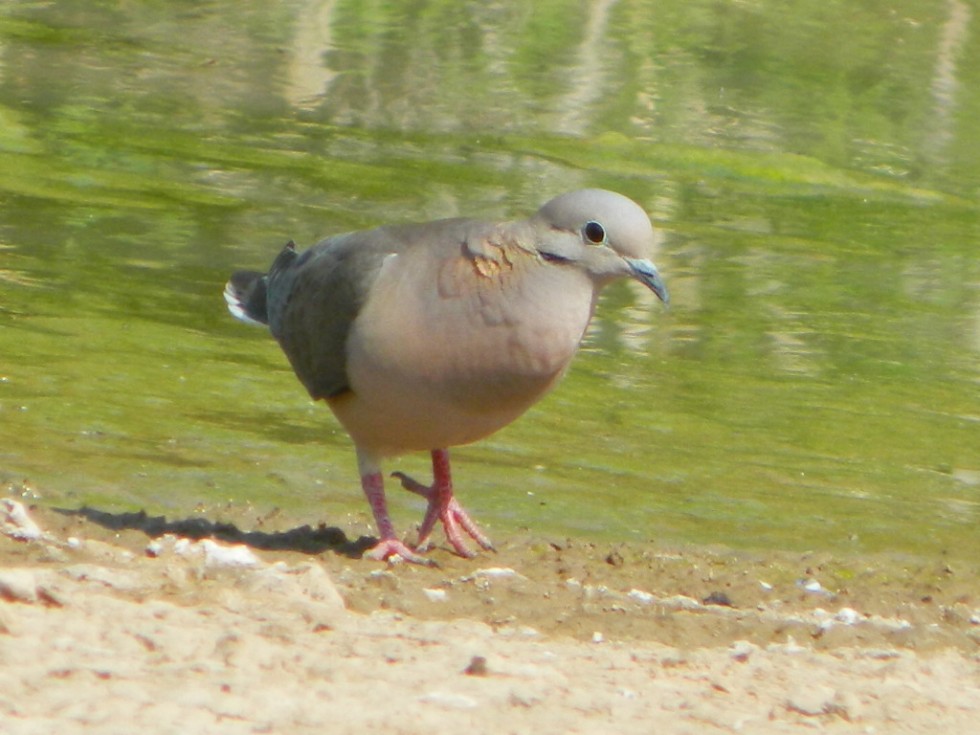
[(304, 539)]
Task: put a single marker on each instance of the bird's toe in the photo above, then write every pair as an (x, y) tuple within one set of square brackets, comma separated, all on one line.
[(393, 551)]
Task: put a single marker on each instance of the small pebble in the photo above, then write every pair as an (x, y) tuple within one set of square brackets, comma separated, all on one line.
[(476, 667), (496, 572), (640, 596), (435, 595), (718, 598), (812, 586), (18, 585), (449, 700), (614, 559), (741, 650), (811, 700), (16, 523), (219, 555)]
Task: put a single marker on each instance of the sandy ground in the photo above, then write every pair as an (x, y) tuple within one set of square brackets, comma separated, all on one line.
[(126, 623)]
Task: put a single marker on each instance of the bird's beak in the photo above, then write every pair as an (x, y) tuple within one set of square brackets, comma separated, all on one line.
[(646, 273)]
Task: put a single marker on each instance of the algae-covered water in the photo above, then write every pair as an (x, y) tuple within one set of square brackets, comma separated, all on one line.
[(813, 169)]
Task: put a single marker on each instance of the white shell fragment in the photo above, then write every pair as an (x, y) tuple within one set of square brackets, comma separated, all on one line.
[(435, 595), (214, 554), (16, 523), (640, 596)]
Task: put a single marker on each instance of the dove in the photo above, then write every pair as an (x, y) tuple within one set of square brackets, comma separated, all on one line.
[(423, 337)]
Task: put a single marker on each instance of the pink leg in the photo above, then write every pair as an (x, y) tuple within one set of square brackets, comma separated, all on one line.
[(389, 545), (444, 507)]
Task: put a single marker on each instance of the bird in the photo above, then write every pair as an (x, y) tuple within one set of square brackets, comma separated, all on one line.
[(427, 336)]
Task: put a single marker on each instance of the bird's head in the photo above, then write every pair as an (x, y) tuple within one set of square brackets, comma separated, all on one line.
[(604, 233)]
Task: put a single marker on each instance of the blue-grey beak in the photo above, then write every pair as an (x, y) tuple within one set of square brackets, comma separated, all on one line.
[(646, 273)]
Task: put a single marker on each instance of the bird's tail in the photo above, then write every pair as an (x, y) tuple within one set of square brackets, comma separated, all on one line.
[(245, 294)]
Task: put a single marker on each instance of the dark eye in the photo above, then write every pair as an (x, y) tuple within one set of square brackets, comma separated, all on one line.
[(594, 232)]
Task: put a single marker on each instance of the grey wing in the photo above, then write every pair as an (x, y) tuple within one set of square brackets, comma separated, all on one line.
[(313, 301), (315, 297)]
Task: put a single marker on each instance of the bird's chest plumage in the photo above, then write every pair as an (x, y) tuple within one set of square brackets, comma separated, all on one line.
[(471, 343)]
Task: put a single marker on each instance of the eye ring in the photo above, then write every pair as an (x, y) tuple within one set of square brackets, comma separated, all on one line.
[(594, 232)]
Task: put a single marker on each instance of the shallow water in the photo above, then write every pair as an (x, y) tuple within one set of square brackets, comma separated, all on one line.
[(815, 383)]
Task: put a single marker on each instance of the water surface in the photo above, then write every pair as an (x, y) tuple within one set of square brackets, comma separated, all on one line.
[(813, 170)]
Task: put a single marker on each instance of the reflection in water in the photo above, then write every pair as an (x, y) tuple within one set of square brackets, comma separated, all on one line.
[(944, 83), (308, 75), (976, 337), (587, 79), (420, 77)]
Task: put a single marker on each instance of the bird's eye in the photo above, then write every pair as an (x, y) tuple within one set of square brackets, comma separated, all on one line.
[(594, 232)]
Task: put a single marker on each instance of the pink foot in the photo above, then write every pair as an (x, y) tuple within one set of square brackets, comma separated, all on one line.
[(385, 549), (444, 507)]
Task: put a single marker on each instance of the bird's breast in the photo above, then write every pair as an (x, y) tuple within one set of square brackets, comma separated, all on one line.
[(468, 346)]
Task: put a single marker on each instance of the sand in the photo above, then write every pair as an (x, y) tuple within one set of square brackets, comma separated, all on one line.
[(119, 624)]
